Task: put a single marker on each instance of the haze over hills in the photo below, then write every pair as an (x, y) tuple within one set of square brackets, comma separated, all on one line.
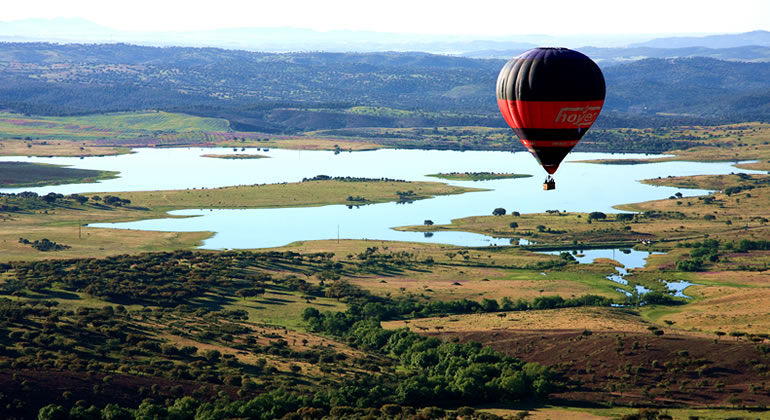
[(610, 56), (287, 39), (711, 41)]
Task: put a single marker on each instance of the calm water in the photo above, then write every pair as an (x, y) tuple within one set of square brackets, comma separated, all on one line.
[(580, 187)]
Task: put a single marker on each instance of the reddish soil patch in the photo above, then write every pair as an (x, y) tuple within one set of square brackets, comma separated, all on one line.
[(630, 368), (24, 391)]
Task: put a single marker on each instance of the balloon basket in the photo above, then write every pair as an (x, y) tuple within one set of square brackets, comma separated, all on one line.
[(549, 184)]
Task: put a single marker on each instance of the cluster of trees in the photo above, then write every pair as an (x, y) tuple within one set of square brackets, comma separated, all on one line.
[(349, 179), (710, 251), (112, 200), (109, 343), (44, 245), (745, 245), (28, 200), (266, 406), (409, 307), (167, 278), (445, 373)]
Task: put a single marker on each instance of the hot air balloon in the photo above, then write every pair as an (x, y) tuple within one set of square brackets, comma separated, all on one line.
[(550, 97)]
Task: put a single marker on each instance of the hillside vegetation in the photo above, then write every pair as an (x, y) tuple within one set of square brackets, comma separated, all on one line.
[(293, 92)]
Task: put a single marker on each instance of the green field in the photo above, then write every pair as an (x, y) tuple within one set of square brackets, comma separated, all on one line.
[(103, 125)]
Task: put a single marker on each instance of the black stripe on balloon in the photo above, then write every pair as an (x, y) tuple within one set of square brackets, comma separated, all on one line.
[(556, 134), (551, 74), (549, 156)]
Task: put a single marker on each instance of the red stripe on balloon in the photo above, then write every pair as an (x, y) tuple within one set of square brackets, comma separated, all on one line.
[(550, 114)]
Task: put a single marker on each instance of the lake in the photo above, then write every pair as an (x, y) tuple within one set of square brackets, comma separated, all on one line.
[(581, 187)]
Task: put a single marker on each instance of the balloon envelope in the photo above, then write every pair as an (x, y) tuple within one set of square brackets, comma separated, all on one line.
[(550, 97)]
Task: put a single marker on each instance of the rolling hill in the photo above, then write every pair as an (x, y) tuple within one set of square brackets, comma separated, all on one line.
[(292, 92)]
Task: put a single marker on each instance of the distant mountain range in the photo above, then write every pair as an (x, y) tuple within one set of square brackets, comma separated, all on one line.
[(750, 46), (611, 56), (610, 49), (710, 41)]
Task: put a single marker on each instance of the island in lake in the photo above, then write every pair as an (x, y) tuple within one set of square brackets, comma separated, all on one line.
[(235, 156), (477, 176)]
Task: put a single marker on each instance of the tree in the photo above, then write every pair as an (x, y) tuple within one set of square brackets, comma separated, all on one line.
[(79, 198), (310, 313), (428, 222), (513, 225), (52, 412), (340, 289), (499, 211), (51, 197), (212, 355), (489, 305), (112, 200), (596, 215), (116, 412), (250, 292)]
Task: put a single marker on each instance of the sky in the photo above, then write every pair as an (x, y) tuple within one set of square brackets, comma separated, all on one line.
[(474, 17)]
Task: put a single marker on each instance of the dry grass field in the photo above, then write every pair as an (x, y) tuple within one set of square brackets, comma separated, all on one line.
[(608, 320), (57, 148), (316, 143), (302, 194), (731, 142)]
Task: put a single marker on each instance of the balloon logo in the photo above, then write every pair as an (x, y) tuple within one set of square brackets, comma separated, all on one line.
[(550, 97)]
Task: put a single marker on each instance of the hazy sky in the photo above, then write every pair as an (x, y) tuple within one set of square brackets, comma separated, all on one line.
[(477, 17)]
